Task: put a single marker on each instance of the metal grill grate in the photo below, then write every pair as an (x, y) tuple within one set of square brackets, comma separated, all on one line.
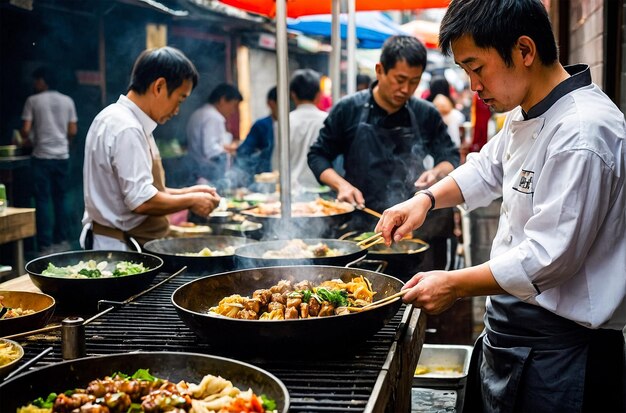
[(337, 383)]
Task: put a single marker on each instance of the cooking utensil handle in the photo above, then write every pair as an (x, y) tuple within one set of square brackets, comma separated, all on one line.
[(28, 363), (382, 265), (351, 263)]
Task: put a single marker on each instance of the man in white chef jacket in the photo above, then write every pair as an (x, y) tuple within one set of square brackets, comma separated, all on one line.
[(556, 278)]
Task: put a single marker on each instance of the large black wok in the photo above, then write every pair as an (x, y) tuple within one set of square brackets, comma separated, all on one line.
[(281, 337), (251, 256), (191, 367), (169, 248), (84, 293)]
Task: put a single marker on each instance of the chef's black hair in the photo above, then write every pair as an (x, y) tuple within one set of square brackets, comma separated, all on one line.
[(226, 91), (305, 84), (407, 48), (166, 62), (498, 24)]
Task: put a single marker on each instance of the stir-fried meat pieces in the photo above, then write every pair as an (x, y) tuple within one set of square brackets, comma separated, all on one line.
[(305, 285), (278, 298), (291, 313), (247, 315), (253, 304), (283, 286), (327, 309), (164, 400), (134, 388), (264, 296), (93, 408), (314, 307), (304, 310), (294, 300), (274, 305), (66, 404)]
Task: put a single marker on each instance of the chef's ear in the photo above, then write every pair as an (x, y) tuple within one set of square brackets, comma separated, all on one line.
[(159, 85), (527, 49)]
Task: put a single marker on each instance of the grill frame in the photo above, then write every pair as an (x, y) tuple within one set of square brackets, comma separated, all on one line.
[(376, 376)]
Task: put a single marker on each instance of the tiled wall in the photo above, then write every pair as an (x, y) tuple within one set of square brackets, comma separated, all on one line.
[(586, 36)]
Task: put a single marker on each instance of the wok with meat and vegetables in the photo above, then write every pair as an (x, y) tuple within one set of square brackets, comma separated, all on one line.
[(142, 392), (287, 301)]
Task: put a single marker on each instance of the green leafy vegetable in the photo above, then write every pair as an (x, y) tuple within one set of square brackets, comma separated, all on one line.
[(48, 403), (268, 404), (128, 268), (338, 298), (144, 374), (95, 273)]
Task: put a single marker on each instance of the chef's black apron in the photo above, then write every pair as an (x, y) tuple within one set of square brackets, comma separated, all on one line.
[(384, 165), (531, 360)]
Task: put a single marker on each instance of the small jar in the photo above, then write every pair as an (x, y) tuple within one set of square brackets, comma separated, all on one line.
[(72, 338)]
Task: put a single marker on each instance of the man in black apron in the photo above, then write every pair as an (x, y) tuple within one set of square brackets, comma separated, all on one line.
[(556, 277), (384, 134)]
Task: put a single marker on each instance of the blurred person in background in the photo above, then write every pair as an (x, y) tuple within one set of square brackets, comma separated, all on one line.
[(363, 82), (257, 153), (305, 122), (325, 101), (49, 122), (126, 200), (384, 134), (555, 281), (209, 143), (441, 97)]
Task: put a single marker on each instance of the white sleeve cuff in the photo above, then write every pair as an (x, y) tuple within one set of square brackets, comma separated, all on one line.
[(510, 275)]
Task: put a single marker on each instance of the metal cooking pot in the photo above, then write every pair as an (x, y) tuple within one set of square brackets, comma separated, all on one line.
[(251, 256), (168, 248), (403, 258), (191, 367), (282, 337), (84, 293), (275, 227)]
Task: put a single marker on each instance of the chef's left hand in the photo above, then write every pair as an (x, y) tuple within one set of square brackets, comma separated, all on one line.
[(202, 188), (432, 291), (427, 179)]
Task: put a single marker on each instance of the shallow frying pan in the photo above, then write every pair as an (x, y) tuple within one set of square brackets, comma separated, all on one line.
[(303, 336), (251, 256), (191, 367), (84, 293), (168, 248)]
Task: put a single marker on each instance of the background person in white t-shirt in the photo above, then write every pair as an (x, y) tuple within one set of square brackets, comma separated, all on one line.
[(49, 122)]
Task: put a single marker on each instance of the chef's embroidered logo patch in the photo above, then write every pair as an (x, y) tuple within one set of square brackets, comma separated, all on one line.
[(525, 184)]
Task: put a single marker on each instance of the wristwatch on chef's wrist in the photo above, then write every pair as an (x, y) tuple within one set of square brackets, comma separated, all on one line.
[(428, 194)]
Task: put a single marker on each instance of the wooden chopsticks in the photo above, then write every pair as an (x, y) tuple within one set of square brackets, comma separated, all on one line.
[(370, 211), (373, 240), (379, 303)]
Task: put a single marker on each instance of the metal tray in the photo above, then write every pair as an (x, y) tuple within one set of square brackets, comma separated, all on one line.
[(447, 366)]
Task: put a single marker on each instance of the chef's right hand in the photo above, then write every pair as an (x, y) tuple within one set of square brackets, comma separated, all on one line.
[(351, 195), (204, 203)]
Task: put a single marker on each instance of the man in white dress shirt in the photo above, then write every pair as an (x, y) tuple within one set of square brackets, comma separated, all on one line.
[(209, 143), (556, 278), (126, 200), (305, 122)]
